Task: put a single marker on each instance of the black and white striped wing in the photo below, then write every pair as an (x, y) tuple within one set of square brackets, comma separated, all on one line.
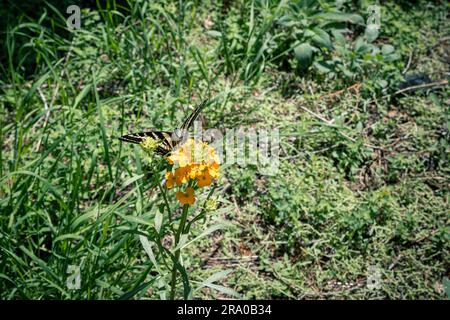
[(163, 137), (193, 116), (167, 139)]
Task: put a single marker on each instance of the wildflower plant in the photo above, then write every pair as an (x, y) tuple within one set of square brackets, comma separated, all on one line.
[(189, 169)]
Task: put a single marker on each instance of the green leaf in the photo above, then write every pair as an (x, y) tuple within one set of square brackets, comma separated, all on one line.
[(339, 37), (382, 83), (183, 240), (371, 33), (131, 180), (68, 236), (54, 191), (40, 262), (224, 290), (158, 221), (187, 290), (322, 38), (82, 94), (130, 294), (362, 46), (148, 249), (105, 285), (303, 53), (214, 34), (340, 17), (211, 229), (215, 277), (134, 219), (323, 66), (387, 49)]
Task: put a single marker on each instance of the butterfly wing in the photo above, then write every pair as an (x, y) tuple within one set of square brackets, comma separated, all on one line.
[(164, 137), (193, 116)]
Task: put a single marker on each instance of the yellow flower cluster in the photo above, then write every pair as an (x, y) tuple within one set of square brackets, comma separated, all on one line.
[(149, 144), (196, 162)]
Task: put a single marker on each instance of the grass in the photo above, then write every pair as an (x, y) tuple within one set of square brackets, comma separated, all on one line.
[(363, 178)]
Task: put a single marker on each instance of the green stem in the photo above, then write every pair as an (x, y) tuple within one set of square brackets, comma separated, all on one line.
[(163, 191), (202, 212), (178, 251)]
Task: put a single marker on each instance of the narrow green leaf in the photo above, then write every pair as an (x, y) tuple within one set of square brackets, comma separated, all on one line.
[(224, 290), (148, 249), (340, 17), (202, 235), (158, 220)]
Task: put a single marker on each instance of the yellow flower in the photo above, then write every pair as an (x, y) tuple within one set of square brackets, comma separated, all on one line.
[(210, 205), (186, 197), (204, 179), (196, 170), (180, 157), (170, 180), (214, 170), (149, 144), (181, 175), (203, 169), (193, 152)]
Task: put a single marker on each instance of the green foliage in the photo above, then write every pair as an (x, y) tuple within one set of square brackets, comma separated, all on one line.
[(302, 35), (363, 177)]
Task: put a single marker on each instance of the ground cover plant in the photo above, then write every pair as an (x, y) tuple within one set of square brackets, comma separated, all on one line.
[(359, 206)]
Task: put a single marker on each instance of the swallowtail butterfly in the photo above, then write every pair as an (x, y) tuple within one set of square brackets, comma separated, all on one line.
[(167, 140)]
